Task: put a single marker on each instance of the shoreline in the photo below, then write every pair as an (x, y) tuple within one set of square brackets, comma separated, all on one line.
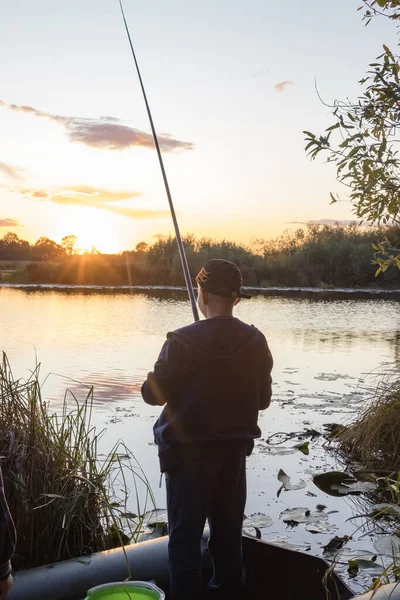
[(262, 290)]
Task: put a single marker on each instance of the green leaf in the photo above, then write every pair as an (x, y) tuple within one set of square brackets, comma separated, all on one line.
[(366, 167), (382, 148), (304, 448), (353, 151), (332, 127)]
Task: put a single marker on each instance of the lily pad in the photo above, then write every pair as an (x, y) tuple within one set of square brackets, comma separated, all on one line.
[(276, 450), (296, 486), (258, 520), (129, 515), (355, 565), (320, 527), (304, 448), (155, 518), (283, 478), (284, 543), (344, 555), (326, 481), (332, 377), (287, 485), (336, 543), (254, 532), (356, 487), (303, 515), (150, 534)]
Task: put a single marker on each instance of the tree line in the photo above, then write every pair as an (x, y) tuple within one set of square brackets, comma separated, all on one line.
[(316, 255)]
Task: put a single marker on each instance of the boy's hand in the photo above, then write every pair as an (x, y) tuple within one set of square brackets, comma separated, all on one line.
[(5, 587)]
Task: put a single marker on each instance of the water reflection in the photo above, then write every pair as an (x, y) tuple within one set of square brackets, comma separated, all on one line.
[(115, 388), (111, 338), (326, 341)]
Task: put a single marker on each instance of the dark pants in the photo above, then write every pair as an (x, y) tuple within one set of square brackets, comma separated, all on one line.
[(213, 487)]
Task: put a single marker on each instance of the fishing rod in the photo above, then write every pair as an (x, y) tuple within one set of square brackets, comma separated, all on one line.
[(181, 249)]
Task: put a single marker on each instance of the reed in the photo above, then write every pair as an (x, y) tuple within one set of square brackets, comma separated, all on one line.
[(66, 498), (374, 436)]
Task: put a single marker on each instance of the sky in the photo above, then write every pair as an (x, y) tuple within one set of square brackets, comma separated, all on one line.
[(231, 85)]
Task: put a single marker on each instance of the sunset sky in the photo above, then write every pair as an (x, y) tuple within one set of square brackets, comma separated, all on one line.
[(231, 87)]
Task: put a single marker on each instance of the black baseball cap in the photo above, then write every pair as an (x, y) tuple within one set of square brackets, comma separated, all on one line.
[(221, 278)]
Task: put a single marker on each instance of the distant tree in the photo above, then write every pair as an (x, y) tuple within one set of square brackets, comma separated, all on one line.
[(14, 248), (11, 239), (68, 242), (93, 250), (365, 140), (47, 249), (141, 247)]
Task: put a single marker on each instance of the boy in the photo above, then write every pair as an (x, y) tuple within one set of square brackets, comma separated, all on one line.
[(213, 377), (7, 544)]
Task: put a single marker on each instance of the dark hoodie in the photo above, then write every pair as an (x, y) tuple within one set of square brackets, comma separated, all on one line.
[(214, 376), (7, 535)]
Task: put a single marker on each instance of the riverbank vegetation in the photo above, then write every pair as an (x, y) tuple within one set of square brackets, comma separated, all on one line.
[(374, 437), (65, 498), (316, 255)]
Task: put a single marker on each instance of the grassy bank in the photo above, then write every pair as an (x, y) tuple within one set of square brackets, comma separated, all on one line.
[(374, 436), (315, 256), (61, 491)]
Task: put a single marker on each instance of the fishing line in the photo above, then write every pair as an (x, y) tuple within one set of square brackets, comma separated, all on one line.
[(160, 159)]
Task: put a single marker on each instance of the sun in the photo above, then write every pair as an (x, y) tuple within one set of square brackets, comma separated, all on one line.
[(94, 230)]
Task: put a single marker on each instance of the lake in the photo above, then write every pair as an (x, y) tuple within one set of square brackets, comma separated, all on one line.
[(327, 348)]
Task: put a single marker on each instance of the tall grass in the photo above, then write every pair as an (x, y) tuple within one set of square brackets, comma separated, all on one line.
[(374, 436), (65, 497)]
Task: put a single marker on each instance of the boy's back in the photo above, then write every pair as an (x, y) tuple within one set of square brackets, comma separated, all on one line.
[(213, 377)]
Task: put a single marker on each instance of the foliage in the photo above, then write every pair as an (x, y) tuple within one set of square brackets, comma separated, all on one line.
[(385, 8), (68, 243), (61, 491), (365, 156), (374, 437), (362, 142), (13, 247), (315, 256)]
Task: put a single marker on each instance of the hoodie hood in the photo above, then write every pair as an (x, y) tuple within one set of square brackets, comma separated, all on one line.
[(218, 339)]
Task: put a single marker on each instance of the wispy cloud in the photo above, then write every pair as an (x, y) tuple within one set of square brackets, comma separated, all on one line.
[(96, 198), (104, 132), (327, 222), (9, 223), (280, 87), (11, 171), (261, 72)]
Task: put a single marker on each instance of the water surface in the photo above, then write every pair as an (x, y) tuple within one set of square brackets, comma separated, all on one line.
[(324, 347)]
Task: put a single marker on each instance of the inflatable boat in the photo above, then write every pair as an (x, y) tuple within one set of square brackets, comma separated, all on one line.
[(272, 572)]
